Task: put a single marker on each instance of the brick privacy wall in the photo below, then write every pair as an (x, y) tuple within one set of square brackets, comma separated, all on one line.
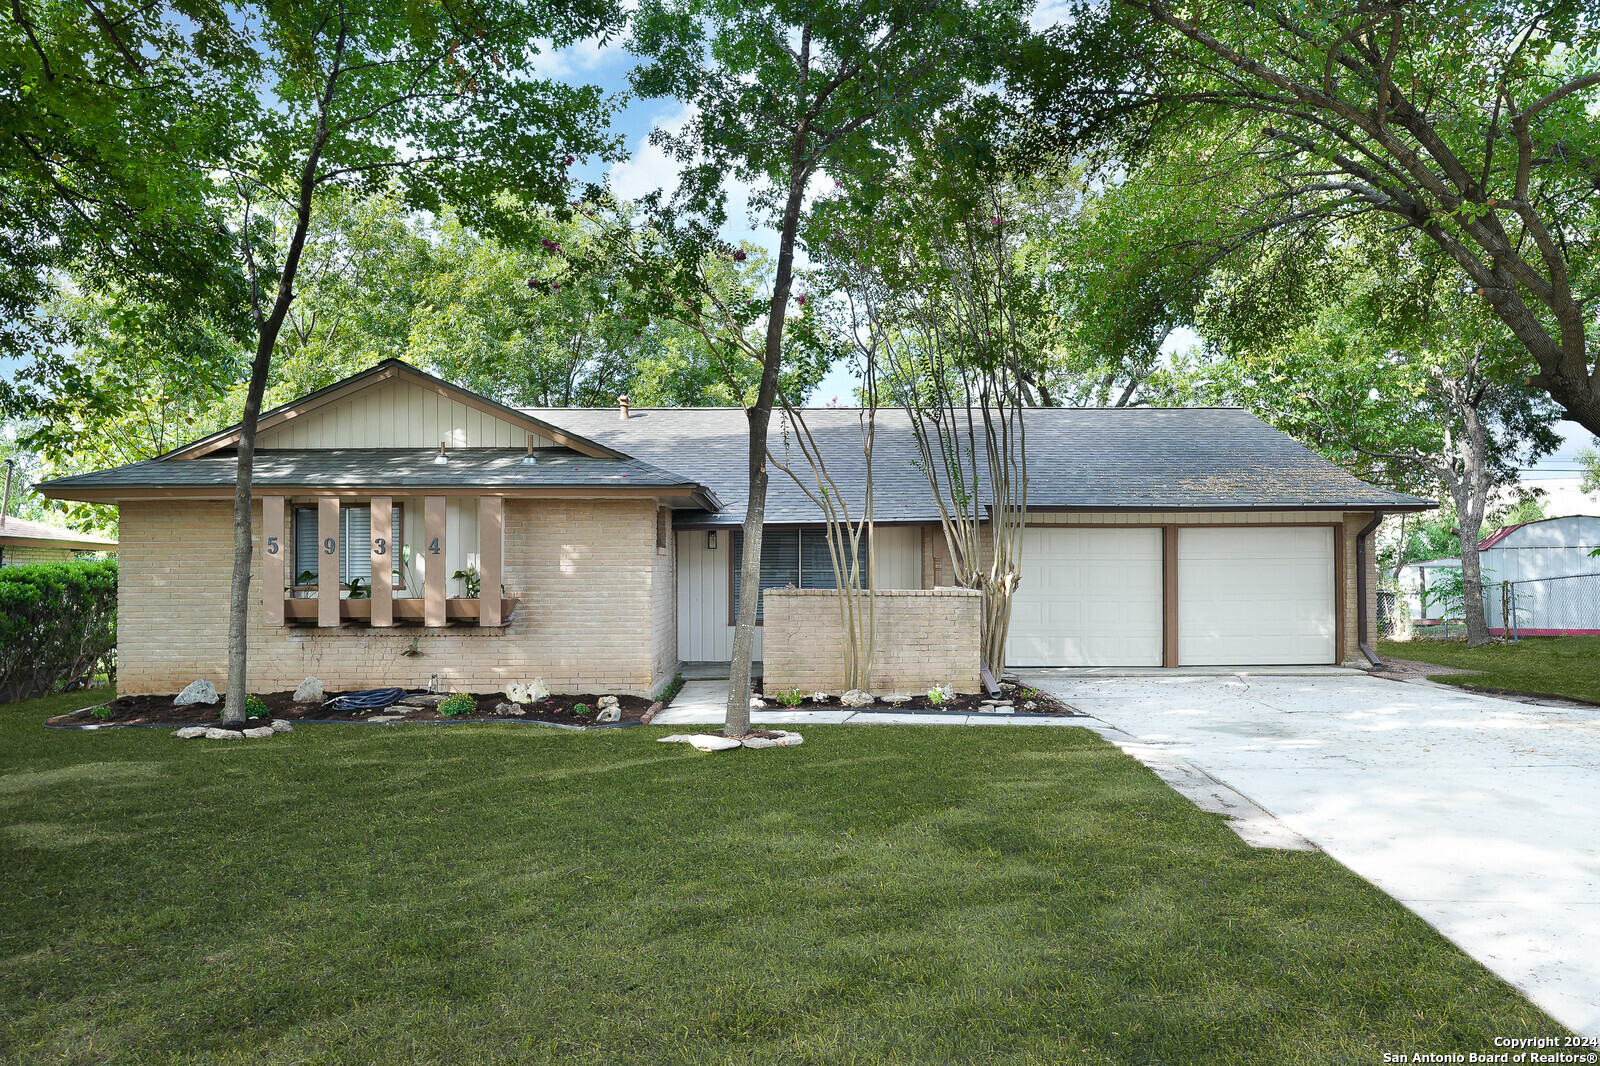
[(584, 571), (925, 637)]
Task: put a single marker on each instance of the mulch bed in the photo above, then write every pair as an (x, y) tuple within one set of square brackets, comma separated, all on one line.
[(1044, 704), (158, 710)]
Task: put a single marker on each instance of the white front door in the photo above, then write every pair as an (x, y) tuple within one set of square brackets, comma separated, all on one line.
[(1259, 595), (1088, 597)]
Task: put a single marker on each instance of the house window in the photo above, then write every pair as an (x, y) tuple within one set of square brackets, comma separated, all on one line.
[(355, 545), (797, 557)]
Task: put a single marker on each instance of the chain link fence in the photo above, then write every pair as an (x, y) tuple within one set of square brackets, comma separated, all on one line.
[(1538, 607), (1543, 607)]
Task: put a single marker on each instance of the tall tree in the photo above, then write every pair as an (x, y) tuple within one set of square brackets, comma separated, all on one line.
[(780, 92), (438, 103), (1473, 124), (1395, 373), (103, 109)]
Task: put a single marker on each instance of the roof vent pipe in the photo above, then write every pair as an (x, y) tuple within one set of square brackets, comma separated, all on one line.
[(441, 458), (622, 401), (529, 460)]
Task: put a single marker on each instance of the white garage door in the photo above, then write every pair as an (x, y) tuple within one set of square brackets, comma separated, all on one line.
[(1088, 597), (1255, 596)]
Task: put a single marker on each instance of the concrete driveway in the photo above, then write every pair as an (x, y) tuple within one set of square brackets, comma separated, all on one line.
[(1479, 814)]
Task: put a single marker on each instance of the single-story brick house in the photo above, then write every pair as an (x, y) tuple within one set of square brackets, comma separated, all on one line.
[(24, 541), (1155, 537)]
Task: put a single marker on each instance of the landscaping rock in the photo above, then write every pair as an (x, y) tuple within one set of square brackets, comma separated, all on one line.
[(189, 732), (280, 726), (196, 692), (510, 708), (387, 718), (895, 699), (260, 731), (310, 691), (857, 698), (611, 713), (702, 741), (223, 734), (608, 701), (423, 699), (1030, 706), (528, 691), (784, 739), (819, 697), (757, 704)]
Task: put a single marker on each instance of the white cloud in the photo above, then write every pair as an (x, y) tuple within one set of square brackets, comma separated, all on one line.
[(582, 58)]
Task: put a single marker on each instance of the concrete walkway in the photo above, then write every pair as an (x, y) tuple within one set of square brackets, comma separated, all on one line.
[(1479, 814)]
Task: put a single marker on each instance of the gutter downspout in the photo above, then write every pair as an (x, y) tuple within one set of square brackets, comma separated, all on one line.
[(1362, 640)]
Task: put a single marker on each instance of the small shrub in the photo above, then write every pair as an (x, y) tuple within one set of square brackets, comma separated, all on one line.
[(580, 709), (102, 712), (672, 689), (254, 707), (792, 698), (459, 703), (936, 695)]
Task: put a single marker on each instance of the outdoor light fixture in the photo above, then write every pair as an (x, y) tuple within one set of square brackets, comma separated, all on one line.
[(711, 540), (441, 458)]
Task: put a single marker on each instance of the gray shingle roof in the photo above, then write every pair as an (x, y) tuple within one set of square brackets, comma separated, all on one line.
[(388, 467), (1084, 458)]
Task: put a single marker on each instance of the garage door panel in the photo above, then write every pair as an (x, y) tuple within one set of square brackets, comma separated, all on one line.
[(1256, 596), (1088, 597)]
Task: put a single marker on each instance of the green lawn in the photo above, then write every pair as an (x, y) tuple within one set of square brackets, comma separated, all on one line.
[(1555, 666), (476, 893)]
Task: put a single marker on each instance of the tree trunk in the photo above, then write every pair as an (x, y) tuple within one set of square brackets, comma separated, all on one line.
[(268, 328), (1472, 585), (760, 418)]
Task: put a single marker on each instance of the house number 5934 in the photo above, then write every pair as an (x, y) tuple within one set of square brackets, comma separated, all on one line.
[(329, 546), (272, 545)]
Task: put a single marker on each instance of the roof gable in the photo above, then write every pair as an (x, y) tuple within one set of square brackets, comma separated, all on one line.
[(1565, 531), (395, 405)]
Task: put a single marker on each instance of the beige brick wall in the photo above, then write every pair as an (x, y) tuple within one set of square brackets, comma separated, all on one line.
[(664, 610), (586, 573), (925, 637)]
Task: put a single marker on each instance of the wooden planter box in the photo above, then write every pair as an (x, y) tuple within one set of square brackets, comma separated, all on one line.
[(408, 611)]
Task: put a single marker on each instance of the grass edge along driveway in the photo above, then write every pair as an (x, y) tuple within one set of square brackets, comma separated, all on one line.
[(1546, 666), (492, 892)]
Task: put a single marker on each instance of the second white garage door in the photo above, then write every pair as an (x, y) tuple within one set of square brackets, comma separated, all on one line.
[(1088, 597), (1255, 596)]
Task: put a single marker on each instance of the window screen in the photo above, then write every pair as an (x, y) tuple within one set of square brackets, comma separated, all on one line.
[(355, 543), (789, 557)]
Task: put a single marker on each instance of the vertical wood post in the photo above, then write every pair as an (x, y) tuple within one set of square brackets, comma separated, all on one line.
[(433, 557), (491, 521), (383, 556), (274, 550), (329, 552), (1169, 596)]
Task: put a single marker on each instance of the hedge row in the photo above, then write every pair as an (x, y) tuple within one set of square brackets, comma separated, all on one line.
[(58, 626)]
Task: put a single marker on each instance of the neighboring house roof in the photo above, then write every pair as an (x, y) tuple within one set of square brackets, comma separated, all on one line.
[(1498, 535), (370, 468), (1140, 458), (24, 533), (1563, 531)]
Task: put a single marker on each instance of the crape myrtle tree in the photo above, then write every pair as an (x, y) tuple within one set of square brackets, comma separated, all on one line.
[(437, 104), (952, 305), (1379, 359), (780, 93), (1472, 124)]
